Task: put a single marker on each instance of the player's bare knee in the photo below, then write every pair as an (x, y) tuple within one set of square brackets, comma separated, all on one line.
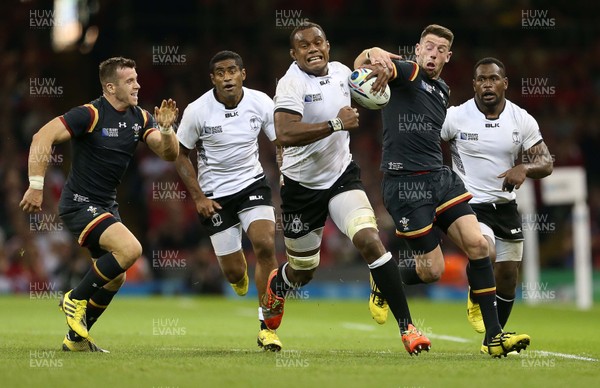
[(430, 272), (368, 243), (477, 247), (264, 249), (128, 252)]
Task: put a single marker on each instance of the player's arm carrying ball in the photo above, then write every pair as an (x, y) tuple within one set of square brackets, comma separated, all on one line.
[(54, 132), (165, 143)]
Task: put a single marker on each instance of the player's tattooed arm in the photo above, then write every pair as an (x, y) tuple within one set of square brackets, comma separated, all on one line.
[(536, 163)]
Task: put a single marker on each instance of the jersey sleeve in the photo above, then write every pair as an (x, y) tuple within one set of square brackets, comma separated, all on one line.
[(149, 124), (404, 71), (268, 124), (289, 95), (189, 132), (530, 129), (449, 128), (80, 120)]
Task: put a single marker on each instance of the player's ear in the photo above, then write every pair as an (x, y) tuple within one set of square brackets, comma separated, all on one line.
[(212, 78), (448, 57), (110, 87), (505, 83), (243, 74), (293, 54)]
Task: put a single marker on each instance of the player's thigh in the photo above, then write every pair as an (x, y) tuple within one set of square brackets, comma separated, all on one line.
[(120, 241), (259, 224), (227, 241), (465, 232), (351, 212)]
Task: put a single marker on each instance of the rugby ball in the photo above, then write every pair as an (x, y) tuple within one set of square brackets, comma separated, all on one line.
[(360, 90)]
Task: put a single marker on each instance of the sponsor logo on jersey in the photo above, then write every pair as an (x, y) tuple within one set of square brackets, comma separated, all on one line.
[(255, 197), (492, 125), (211, 130), (469, 136), (313, 98), (232, 114), (325, 82), (110, 132), (122, 125)]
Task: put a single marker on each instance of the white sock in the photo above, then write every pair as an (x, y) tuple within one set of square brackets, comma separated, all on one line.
[(381, 261)]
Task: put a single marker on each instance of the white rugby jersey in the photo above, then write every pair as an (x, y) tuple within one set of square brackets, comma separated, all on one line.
[(484, 148), (319, 164), (226, 140)]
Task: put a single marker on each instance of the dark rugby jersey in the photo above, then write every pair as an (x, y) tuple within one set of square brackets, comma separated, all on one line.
[(412, 121), (103, 141)]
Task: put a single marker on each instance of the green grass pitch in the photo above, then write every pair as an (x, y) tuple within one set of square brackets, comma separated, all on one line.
[(211, 342)]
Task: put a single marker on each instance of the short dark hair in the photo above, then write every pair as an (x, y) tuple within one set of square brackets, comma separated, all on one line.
[(108, 69), (440, 31), (223, 56), (488, 61), (305, 26)]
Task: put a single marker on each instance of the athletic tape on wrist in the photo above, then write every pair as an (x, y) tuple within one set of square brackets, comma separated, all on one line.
[(336, 124), (36, 182)]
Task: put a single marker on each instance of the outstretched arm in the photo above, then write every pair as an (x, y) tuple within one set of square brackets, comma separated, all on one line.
[(165, 143), (40, 152)]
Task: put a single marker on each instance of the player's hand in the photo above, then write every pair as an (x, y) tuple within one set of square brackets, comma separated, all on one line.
[(513, 178), (32, 201), (382, 65), (349, 117), (207, 208), (167, 114)]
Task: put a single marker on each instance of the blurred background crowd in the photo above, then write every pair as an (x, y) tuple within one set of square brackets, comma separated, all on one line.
[(172, 42)]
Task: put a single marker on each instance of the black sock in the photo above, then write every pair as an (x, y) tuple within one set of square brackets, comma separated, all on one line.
[(408, 272), (96, 306), (483, 290), (387, 279), (279, 286), (103, 270), (504, 304), (263, 326)]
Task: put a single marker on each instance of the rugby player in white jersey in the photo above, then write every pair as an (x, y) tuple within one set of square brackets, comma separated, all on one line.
[(495, 146), (312, 120), (230, 191)]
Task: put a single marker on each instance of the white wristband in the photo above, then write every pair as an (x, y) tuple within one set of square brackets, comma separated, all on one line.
[(36, 182), (164, 130), (336, 124)]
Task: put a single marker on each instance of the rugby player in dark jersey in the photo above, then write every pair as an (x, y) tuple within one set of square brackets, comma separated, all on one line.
[(419, 191), (104, 135)]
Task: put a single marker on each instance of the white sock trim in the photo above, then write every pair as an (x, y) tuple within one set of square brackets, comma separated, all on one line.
[(505, 300), (381, 261), (284, 276), (261, 317)]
